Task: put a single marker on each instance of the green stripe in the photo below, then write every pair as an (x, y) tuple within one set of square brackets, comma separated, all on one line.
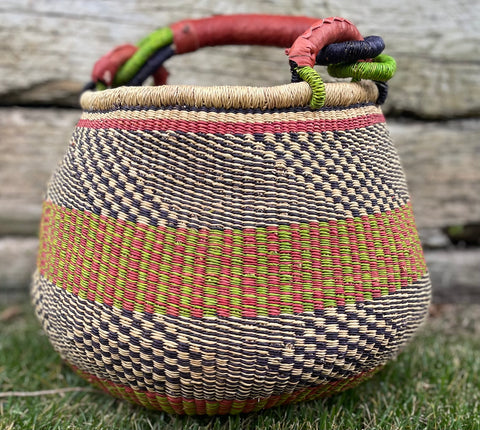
[(289, 263)]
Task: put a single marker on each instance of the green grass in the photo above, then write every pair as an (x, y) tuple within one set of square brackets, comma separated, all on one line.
[(434, 384)]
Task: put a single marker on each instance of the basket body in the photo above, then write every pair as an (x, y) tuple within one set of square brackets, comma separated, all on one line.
[(220, 260)]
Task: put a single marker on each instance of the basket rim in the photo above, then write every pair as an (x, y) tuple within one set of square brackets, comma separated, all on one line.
[(229, 97)]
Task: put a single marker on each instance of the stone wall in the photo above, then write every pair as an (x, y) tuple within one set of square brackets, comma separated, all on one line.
[(48, 49)]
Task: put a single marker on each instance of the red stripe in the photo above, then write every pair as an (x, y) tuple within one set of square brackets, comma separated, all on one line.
[(234, 127), (244, 273)]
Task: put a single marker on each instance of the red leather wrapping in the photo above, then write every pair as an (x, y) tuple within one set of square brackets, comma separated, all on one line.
[(330, 30), (269, 30), (305, 35), (107, 66)]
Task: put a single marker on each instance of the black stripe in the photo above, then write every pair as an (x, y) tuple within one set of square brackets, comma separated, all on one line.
[(196, 109), (131, 173), (265, 352)]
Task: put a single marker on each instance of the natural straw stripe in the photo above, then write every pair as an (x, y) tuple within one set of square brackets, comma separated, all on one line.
[(230, 97)]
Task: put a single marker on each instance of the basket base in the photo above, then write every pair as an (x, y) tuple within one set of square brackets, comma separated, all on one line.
[(182, 406), (224, 365)]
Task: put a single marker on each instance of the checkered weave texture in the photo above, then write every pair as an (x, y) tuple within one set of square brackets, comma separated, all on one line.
[(209, 260)]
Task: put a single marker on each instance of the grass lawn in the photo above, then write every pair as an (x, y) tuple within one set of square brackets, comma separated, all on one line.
[(434, 384)]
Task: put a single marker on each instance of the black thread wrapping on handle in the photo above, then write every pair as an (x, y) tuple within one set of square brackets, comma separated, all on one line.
[(89, 86), (382, 92), (152, 65), (350, 51), (293, 69), (345, 52)]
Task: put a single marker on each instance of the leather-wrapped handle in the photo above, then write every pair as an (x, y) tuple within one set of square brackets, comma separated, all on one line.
[(117, 68), (249, 29), (305, 48), (303, 54)]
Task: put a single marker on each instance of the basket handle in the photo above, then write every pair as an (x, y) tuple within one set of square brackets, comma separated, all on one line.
[(305, 50), (322, 33), (125, 63), (251, 29), (332, 40)]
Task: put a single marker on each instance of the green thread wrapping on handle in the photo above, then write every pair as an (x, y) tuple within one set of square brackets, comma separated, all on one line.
[(100, 86), (382, 68), (309, 75), (146, 48)]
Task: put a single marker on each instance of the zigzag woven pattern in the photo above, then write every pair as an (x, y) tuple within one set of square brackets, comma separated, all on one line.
[(212, 260)]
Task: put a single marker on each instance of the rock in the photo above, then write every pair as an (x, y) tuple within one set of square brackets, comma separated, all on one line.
[(441, 160), (54, 47), (56, 92), (455, 275), (17, 264), (464, 234), (434, 238), (33, 142)]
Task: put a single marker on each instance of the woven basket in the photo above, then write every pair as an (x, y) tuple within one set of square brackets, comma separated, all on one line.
[(214, 250)]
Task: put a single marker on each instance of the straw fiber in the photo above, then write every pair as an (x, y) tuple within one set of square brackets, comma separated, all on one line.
[(204, 256)]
